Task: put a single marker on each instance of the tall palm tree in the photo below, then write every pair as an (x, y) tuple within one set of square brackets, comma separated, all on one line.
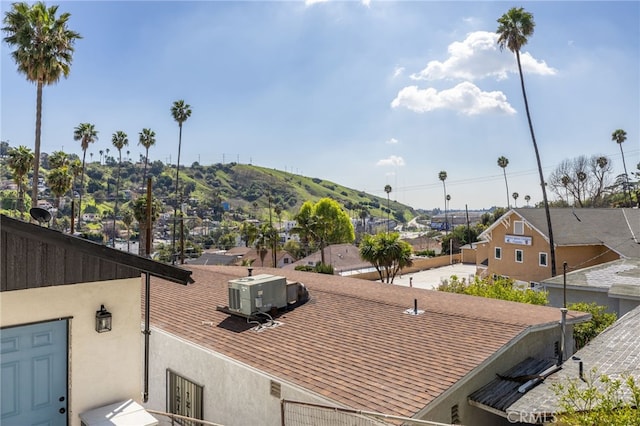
[(20, 162), (515, 196), (87, 134), (43, 53), (147, 140), (527, 198), (504, 162), (515, 28), (619, 136), (58, 159), (119, 139), (180, 112), (101, 152), (387, 189), (127, 220), (443, 176), (582, 176), (566, 180)]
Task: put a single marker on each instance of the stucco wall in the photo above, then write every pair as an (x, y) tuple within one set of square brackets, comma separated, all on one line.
[(419, 264), (103, 367), (598, 296), (234, 394), (538, 344)]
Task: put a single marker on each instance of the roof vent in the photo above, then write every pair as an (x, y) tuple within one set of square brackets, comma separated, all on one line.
[(414, 310)]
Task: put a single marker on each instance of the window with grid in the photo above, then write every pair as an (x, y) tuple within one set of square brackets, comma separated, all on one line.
[(184, 398)]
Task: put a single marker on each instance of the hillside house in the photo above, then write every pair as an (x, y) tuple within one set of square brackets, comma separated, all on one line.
[(69, 325), (517, 244), (355, 344)]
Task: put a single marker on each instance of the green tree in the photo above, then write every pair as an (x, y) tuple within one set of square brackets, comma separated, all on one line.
[(127, 220), (500, 288), (265, 241), (248, 233), (503, 162), (147, 140), (180, 112), (619, 136), (598, 400), (515, 28), (43, 52), (60, 181), (325, 222), (387, 253), (584, 332), (20, 162), (86, 134), (119, 140), (58, 159)]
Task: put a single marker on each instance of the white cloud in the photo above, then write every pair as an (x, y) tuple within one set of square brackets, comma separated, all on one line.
[(465, 98), (397, 72), (312, 2), (393, 141), (478, 56), (391, 161), (366, 2)]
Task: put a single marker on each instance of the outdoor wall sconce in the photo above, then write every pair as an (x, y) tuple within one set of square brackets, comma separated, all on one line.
[(103, 320)]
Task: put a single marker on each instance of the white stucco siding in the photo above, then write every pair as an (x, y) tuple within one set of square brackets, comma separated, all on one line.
[(234, 393), (103, 367)]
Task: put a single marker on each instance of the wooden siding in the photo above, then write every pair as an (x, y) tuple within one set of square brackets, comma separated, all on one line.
[(32, 256)]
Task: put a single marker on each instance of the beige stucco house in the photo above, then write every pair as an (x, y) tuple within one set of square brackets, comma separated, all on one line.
[(57, 292)]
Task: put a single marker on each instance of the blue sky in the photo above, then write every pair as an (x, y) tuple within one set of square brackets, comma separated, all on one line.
[(360, 93)]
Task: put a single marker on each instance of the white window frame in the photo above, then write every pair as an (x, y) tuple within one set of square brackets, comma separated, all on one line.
[(521, 256), (497, 253), (546, 259), (518, 227)]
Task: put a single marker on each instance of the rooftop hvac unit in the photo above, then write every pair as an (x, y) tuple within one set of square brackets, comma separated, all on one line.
[(259, 293)]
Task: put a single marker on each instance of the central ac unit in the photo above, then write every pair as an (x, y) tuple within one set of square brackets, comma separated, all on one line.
[(255, 294)]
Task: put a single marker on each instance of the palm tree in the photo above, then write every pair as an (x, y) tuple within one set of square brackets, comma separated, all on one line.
[(58, 159), (86, 134), (514, 29), (139, 207), (387, 253), (387, 189), (59, 180), (443, 176), (127, 220), (101, 152), (504, 162), (582, 176), (20, 162), (619, 136), (43, 53), (119, 140), (515, 196), (527, 198), (147, 140), (180, 112), (566, 180)]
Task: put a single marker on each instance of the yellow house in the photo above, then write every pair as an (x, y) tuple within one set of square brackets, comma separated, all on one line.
[(517, 245)]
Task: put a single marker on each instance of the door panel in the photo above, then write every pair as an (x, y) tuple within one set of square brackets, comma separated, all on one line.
[(34, 374)]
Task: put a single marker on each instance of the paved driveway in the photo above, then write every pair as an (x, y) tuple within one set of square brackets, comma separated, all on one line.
[(431, 278)]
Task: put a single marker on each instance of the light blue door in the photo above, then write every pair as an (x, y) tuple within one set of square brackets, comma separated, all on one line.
[(34, 375)]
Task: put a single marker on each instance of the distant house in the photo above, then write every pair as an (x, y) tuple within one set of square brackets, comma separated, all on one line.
[(354, 345), (539, 404), (345, 259), (56, 290), (517, 244), (251, 256), (615, 285)]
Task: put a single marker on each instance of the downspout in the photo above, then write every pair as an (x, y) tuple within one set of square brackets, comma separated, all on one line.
[(147, 303)]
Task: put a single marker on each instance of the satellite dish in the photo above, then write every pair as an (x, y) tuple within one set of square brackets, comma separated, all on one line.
[(40, 214)]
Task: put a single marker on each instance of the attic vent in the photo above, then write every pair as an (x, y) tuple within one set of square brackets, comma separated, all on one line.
[(518, 227), (455, 415), (275, 389)]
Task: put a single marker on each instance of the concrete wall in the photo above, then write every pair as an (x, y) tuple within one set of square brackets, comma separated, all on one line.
[(538, 344), (103, 367), (600, 297), (234, 394), (419, 264)]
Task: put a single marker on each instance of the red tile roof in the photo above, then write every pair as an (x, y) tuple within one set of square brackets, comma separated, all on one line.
[(352, 342)]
